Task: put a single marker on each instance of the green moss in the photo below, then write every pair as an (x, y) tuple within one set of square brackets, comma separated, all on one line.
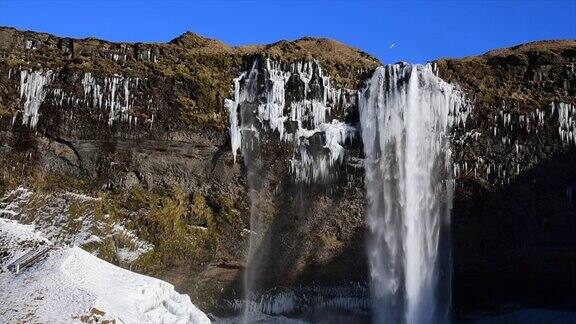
[(150, 261), (226, 210), (201, 213), (164, 218), (74, 215), (330, 241)]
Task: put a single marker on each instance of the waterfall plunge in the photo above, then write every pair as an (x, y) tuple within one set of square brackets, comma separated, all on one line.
[(405, 114)]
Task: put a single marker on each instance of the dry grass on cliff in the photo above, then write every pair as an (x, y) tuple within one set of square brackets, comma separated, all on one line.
[(547, 45)]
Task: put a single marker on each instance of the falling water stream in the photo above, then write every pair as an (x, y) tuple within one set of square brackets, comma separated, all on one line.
[(264, 105), (405, 114)]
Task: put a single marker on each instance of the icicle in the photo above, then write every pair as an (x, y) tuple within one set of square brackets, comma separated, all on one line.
[(310, 115), (232, 106), (567, 122), (32, 90)]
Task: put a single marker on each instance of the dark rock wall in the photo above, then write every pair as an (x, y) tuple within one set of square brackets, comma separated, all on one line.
[(513, 224), (169, 132)]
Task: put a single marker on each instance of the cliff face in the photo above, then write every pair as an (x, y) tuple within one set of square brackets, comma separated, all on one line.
[(513, 218), (144, 128)]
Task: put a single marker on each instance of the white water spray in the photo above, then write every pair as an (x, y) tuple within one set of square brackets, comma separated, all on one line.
[(405, 114)]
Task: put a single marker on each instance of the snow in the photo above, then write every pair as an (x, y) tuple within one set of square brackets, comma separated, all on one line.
[(139, 247), (16, 240), (71, 284), (54, 219), (11, 202)]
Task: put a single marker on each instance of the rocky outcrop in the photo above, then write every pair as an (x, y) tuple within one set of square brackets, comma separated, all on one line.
[(146, 127)]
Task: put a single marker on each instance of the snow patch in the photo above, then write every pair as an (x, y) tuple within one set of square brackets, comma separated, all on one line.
[(81, 226)]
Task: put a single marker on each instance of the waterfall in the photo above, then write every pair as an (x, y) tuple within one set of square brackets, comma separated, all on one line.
[(283, 105), (244, 136), (405, 115)]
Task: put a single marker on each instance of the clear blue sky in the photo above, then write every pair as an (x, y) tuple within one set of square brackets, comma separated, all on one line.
[(419, 30)]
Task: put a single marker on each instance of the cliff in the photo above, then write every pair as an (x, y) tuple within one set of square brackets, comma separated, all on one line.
[(144, 128), (514, 212)]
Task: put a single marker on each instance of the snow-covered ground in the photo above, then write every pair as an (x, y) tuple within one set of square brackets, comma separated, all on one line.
[(72, 285), (16, 240)]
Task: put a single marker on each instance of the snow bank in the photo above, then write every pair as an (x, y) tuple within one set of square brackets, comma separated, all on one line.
[(71, 284)]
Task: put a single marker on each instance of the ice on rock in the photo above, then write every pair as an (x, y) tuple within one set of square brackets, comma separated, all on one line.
[(309, 110), (114, 95), (567, 121), (111, 93), (33, 92)]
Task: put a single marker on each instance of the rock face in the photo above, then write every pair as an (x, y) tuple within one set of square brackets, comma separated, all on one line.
[(146, 128), (513, 219)]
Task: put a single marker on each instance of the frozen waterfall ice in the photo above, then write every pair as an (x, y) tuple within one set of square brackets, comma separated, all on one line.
[(405, 115), (296, 118)]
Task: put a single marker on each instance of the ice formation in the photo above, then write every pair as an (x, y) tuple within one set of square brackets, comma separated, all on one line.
[(296, 117), (405, 113), (33, 92), (232, 106), (567, 121), (273, 305), (114, 95), (512, 130)]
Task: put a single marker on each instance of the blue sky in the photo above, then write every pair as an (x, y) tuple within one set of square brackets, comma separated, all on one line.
[(414, 31)]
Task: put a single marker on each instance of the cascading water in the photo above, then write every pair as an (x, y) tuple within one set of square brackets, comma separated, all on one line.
[(292, 102), (405, 115), (244, 137)]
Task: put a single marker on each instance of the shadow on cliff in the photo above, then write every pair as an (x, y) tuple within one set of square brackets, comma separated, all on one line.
[(315, 237), (516, 247)]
